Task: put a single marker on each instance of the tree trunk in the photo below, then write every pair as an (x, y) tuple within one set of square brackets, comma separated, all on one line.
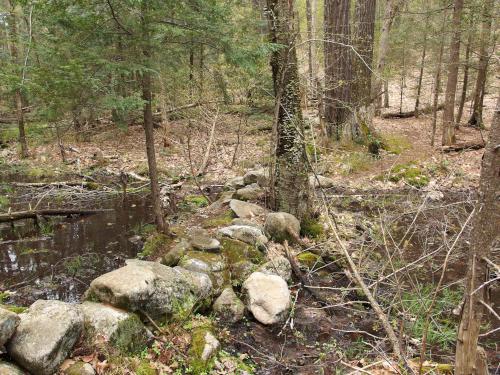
[(476, 118), (451, 84), (422, 64), (484, 233), (147, 96), (310, 48), (437, 81), (391, 8), (18, 93), (463, 97), (338, 69), (289, 187), (386, 94)]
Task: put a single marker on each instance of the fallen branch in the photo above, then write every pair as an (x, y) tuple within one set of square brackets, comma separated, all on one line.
[(463, 147), (33, 214), (409, 114), (204, 164), (56, 184)]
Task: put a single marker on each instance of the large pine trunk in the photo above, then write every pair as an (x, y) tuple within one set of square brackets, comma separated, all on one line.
[(289, 178), (476, 118), (338, 68), (448, 137), (18, 93), (484, 232)]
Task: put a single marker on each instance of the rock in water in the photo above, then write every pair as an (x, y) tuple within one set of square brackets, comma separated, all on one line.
[(121, 329), (259, 176), (145, 286), (201, 240), (45, 336), (268, 297), (279, 265), (228, 306), (245, 210), (10, 369), (250, 192), (281, 226), (8, 323)]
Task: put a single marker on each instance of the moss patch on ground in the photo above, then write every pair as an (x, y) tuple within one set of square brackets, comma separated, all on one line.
[(154, 245), (312, 228), (410, 173), (310, 259), (220, 220), (236, 251)]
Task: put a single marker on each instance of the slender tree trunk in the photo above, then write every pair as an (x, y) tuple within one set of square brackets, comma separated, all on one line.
[(451, 84), (386, 93), (422, 64), (476, 118), (484, 233), (147, 96), (391, 9), (338, 69), (18, 93), (463, 96), (437, 81), (310, 48), (289, 187)]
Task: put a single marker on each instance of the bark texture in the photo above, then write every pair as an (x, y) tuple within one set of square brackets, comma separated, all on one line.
[(465, 81), (338, 68), (422, 65), (289, 187), (484, 233), (448, 137)]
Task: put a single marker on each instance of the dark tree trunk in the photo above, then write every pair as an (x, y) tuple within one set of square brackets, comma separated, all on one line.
[(338, 69), (289, 187), (463, 96), (18, 93), (437, 81), (422, 64), (310, 49), (147, 96), (451, 84), (484, 233), (476, 118)]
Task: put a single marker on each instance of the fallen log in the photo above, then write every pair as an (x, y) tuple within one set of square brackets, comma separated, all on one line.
[(33, 214), (463, 147), (408, 114), (56, 184)]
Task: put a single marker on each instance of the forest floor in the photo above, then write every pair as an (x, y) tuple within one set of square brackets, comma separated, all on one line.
[(402, 206)]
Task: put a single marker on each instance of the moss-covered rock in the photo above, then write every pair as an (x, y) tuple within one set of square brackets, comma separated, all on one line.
[(312, 228), (155, 244), (236, 251), (204, 347), (209, 263), (175, 253), (79, 368), (310, 260)]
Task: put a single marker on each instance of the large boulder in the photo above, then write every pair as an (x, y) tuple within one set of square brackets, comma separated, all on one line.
[(278, 265), (228, 306), (246, 222), (145, 286), (250, 235), (267, 297), (7, 368), (201, 284), (249, 193), (118, 328), (324, 182), (8, 323), (200, 240), (245, 210), (45, 336), (281, 226), (259, 176)]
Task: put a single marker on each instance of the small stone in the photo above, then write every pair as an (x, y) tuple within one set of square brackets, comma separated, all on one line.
[(267, 297), (249, 235), (235, 183), (119, 328), (8, 323), (324, 182), (7, 368), (172, 257), (279, 265), (250, 192), (245, 210), (80, 368), (228, 306), (246, 222), (45, 336), (281, 226), (259, 176), (201, 240)]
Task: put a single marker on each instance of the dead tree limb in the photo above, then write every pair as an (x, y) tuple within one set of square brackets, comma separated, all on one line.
[(33, 214), (204, 164), (463, 147), (409, 114)]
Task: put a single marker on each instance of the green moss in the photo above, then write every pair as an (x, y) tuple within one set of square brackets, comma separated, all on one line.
[(130, 335), (221, 220), (196, 200), (144, 368), (395, 144), (16, 309), (4, 202), (310, 259), (311, 152), (355, 161), (197, 364), (154, 244), (311, 228), (410, 173), (236, 251)]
